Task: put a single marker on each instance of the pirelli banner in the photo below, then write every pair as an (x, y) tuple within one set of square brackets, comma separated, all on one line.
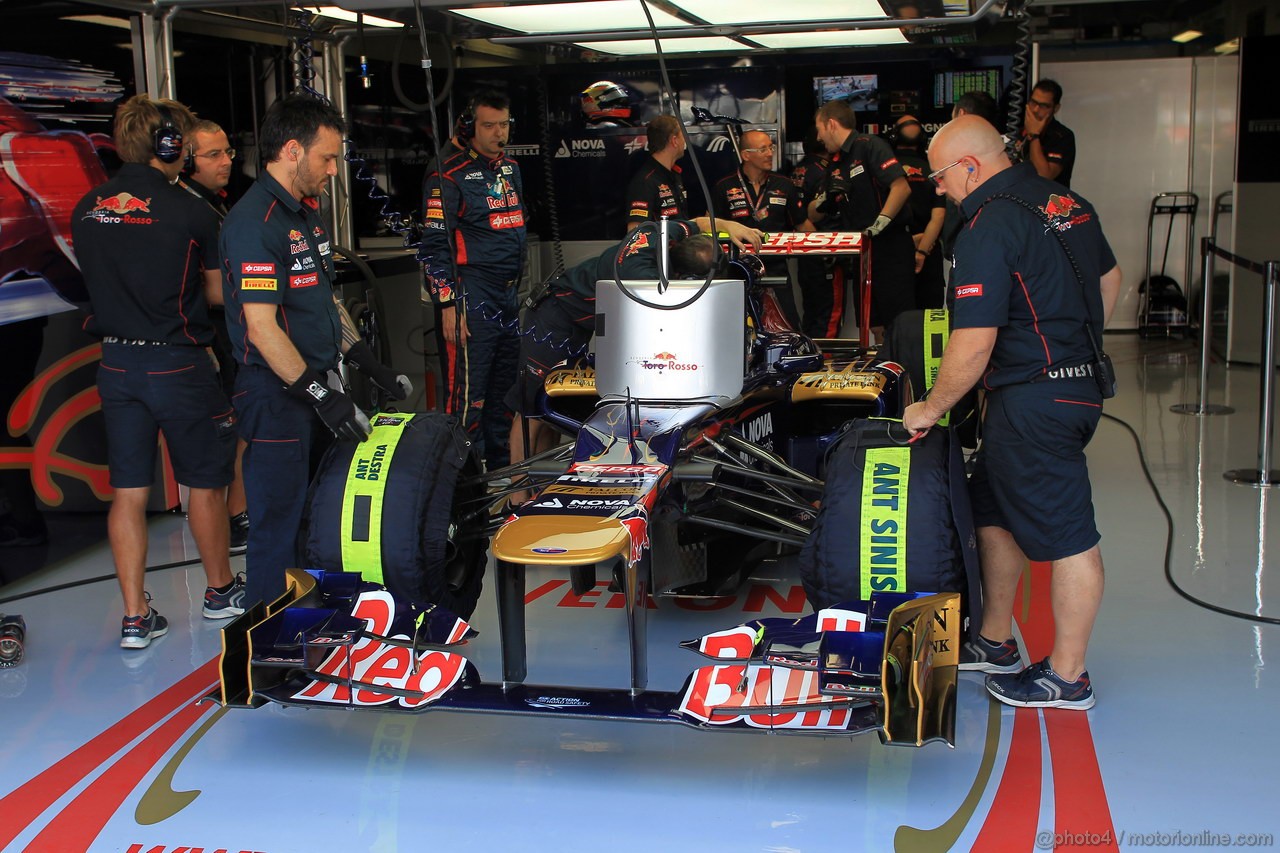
[(893, 519)]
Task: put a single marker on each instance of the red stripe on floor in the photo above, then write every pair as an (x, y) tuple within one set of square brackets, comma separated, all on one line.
[(77, 825), (23, 805), (1079, 798), (1013, 821)]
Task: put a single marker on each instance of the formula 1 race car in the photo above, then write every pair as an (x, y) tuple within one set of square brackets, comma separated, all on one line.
[(700, 446)]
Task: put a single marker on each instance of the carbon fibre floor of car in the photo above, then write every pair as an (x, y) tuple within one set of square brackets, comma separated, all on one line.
[(107, 750)]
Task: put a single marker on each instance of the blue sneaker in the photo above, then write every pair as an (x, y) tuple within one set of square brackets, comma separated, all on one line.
[(224, 605), (1038, 686), (982, 655), (137, 632)]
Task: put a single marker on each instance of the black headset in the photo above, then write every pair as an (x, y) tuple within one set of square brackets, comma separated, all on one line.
[(465, 127), (894, 134), (166, 142)]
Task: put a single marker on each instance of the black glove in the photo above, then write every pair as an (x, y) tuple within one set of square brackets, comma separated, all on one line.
[(397, 385), (835, 190), (334, 408)]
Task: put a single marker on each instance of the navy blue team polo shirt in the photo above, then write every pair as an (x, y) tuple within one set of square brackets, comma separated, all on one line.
[(1012, 274), (142, 244), (275, 249)]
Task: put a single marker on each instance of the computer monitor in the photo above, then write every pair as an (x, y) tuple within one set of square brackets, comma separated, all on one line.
[(948, 86), (861, 91)]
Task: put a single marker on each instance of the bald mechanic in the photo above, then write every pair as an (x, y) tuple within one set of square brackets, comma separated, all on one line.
[(1018, 322), (564, 315)]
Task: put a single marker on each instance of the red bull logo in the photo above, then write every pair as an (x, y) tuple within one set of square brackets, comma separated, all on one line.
[(1059, 205), (295, 235), (666, 356), (122, 203)]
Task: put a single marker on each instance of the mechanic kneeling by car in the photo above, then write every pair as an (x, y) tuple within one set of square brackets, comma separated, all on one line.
[(562, 313)]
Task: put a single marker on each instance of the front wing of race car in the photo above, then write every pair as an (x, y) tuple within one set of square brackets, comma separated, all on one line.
[(334, 641)]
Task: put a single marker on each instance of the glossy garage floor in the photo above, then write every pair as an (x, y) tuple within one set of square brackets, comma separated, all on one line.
[(106, 750)]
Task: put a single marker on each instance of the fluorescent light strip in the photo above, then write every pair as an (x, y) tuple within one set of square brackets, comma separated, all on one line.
[(101, 20), (589, 16), (759, 11), (1187, 35), (1227, 47), (640, 47), (830, 38), (341, 14)]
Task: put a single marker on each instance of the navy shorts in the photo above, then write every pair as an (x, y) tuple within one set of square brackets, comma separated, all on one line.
[(559, 327), (1031, 477), (148, 390)]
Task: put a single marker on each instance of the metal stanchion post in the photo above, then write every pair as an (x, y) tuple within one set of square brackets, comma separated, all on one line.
[(1264, 476), (1206, 295)]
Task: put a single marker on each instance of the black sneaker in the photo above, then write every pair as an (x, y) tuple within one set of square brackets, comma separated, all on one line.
[(224, 605), (982, 655), (239, 530), (137, 632), (1038, 686)]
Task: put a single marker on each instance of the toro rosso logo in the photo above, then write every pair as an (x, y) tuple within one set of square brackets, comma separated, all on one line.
[(913, 171), (664, 361), (122, 203)]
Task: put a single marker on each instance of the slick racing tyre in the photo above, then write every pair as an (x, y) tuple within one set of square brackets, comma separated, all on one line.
[(391, 508)]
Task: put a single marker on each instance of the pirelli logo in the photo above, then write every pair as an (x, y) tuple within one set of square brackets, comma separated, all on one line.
[(257, 284)]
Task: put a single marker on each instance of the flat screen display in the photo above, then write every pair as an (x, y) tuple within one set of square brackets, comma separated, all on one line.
[(948, 86), (861, 91)]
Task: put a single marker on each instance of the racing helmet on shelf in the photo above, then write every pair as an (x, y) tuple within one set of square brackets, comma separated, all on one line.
[(605, 99)]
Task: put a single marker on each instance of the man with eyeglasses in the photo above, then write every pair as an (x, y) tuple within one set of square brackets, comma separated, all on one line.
[(1033, 272), (1046, 143), (757, 197), (206, 171), (473, 240)]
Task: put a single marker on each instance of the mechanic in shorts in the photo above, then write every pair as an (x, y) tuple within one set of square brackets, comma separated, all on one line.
[(563, 315), (149, 252), (1019, 315)]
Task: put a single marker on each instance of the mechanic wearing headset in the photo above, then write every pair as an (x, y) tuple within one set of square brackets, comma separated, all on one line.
[(149, 252), (928, 210), (866, 190), (563, 313), (756, 196), (474, 212), (657, 189), (288, 328), (1018, 325)]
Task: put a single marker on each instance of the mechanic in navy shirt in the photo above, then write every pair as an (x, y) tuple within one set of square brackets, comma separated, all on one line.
[(1046, 143), (866, 190), (821, 279), (288, 328), (473, 241), (1019, 327), (657, 190), (563, 315), (756, 196), (927, 211), (149, 254)]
